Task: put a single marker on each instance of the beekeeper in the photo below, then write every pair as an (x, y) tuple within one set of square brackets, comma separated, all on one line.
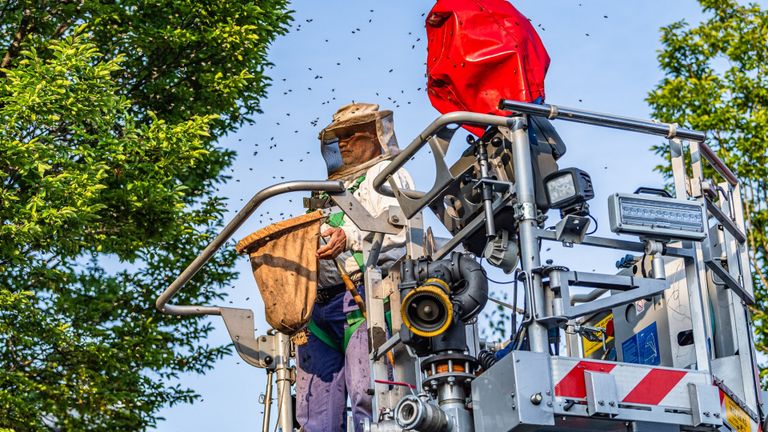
[(333, 364)]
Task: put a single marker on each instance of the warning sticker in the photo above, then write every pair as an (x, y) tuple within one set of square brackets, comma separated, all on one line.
[(590, 347), (735, 415)]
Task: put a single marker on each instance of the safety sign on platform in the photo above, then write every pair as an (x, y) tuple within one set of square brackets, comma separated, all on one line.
[(643, 347)]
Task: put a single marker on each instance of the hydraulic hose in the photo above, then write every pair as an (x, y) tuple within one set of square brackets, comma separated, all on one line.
[(473, 295)]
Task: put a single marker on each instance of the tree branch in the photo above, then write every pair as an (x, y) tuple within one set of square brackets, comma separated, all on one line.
[(752, 241), (25, 27), (61, 28), (759, 271)]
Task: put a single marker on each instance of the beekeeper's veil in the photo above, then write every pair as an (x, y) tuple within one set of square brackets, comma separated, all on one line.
[(352, 118)]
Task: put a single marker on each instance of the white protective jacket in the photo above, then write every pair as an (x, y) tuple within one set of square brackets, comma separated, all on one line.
[(393, 246)]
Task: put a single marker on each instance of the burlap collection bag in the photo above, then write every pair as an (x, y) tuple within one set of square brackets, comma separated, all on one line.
[(285, 268)]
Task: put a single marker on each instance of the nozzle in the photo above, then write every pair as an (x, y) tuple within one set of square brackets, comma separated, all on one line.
[(413, 413), (427, 310)]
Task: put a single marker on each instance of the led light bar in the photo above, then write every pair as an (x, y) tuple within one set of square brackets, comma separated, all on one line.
[(657, 217)]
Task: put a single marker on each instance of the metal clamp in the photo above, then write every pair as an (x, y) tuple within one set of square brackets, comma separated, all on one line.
[(705, 404), (362, 218), (259, 352)]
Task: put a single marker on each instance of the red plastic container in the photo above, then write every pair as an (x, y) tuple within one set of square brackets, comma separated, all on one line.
[(482, 51)]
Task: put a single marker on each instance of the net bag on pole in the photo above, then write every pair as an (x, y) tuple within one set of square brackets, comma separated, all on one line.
[(285, 268)]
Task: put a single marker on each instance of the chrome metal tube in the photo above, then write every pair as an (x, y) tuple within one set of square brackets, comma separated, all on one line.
[(588, 297), (600, 119), (283, 371), (529, 248), (451, 399), (413, 413), (657, 266), (718, 164), (267, 402), (241, 216), (626, 123), (487, 190)]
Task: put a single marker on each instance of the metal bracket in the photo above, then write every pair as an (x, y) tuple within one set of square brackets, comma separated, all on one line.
[(602, 394), (498, 186), (729, 281), (525, 211), (634, 288), (313, 203), (572, 229), (469, 228), (443, 177), (395, 216), (387, 346), (360, 216), (725, 221), (593, 334), (705, 404), (258, 352)]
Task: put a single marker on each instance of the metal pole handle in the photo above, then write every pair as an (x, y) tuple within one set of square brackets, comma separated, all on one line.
[(241, 216), (600, 119), (667, 130)]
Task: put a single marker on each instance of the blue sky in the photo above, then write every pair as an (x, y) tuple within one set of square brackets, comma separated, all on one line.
[(603, 59)]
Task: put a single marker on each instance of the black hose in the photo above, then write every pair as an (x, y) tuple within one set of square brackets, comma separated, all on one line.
[(473, 296), (469, 287)]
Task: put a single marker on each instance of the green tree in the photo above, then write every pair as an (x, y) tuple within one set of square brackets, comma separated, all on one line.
[(108, 175), (716, 81)]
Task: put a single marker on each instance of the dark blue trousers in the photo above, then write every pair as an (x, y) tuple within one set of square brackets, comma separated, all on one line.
[(326, 376)]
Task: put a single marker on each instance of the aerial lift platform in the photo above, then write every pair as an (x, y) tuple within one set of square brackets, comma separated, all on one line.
[(664, 344)]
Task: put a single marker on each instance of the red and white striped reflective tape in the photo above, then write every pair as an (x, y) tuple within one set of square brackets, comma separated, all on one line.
[(636, 384)]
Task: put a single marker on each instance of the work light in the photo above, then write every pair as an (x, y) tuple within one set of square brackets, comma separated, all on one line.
[(656, 217), (567, 188)]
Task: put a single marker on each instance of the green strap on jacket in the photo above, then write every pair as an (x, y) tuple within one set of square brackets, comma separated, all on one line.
[(336, 220), (354, 318), (351, 189)]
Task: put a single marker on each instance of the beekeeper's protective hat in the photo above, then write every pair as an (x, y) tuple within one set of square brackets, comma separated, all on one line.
[(351, 118)]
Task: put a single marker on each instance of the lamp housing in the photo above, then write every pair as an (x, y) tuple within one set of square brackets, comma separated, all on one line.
[(568, 187), (657, 217)]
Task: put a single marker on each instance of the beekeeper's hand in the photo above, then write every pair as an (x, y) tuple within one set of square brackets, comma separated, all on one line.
[(335, 244)]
